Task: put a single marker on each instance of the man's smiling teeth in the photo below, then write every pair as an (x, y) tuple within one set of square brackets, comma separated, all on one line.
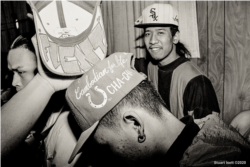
[(155, 48)]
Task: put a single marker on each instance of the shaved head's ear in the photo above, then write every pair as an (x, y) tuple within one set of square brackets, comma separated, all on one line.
[(133, 119), (176, 37)]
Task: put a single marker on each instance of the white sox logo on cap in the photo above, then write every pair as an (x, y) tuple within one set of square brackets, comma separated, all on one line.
[(176, 18), (153, 14), (158, 15)]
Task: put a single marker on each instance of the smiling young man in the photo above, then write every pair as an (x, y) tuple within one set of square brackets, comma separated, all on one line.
[(159, 43), (121, 115), (181, 84)]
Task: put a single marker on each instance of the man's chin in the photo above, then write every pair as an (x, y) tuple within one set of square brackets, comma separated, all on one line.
[(157, 57), (155, 60), (18, 89)]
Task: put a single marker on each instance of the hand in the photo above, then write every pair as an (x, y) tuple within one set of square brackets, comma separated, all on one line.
[(57, 82)]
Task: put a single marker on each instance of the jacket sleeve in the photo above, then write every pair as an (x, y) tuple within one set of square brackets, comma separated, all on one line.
[(199, 98)]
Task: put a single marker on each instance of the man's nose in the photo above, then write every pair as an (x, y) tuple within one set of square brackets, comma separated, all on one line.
[(153, 39), (16, 80)]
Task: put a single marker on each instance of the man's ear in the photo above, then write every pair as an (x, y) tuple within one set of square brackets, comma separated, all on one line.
[(176, 37), (132, 118)]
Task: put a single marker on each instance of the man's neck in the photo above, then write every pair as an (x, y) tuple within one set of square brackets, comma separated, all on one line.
[(172, 129), (170, 58)]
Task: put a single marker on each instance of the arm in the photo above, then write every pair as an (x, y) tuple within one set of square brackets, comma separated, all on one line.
[(22, 111), (18, 116), (199, 98)]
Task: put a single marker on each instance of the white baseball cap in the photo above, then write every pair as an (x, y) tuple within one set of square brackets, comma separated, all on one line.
[(158, 15), (70, 35)]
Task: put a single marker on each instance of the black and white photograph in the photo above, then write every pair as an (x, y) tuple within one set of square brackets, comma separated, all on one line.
[(125, 83)]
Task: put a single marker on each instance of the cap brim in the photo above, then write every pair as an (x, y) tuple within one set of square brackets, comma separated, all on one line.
[(83, 138), (153, 25)]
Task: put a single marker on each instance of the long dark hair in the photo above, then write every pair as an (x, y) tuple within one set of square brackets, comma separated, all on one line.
[(181, 50)]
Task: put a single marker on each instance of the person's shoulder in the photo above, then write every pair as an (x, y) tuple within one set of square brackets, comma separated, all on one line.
[(241, 122), (190, 68), (218, 138), (215, 130), (187, 71)]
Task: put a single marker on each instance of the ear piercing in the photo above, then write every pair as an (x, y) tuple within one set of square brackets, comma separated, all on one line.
[(141, 138)]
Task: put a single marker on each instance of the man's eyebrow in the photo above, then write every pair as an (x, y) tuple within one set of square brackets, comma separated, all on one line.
[(162, 29), (17, 68)]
